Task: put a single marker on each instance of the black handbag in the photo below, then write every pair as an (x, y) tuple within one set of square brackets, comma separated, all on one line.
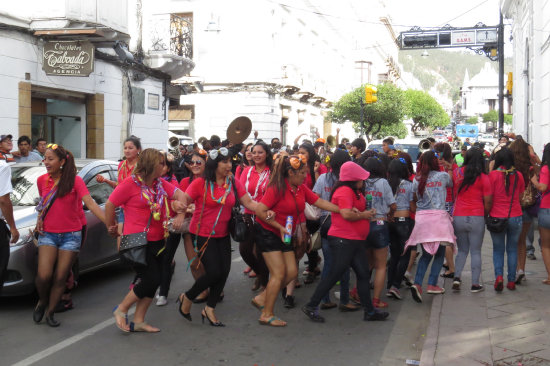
[(133, 247), (237, 226), (497, 224)]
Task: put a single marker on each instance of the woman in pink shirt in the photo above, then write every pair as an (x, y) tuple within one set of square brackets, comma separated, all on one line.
[(542, 185), (59, 226)]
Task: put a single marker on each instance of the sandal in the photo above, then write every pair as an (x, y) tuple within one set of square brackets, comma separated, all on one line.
[(271, 322), (119, 314), (257, 305), (143, 327), (546, 281)]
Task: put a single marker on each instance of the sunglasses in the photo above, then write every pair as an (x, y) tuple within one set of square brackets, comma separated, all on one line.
[(52, 146), (213, 154), (196, 163)]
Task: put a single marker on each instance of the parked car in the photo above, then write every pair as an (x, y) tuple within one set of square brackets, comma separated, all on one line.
[(98, 250)]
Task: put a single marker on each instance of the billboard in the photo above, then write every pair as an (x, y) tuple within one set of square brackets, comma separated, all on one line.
[(467, 131)]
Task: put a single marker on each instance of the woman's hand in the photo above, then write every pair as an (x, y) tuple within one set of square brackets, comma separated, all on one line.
[(113, 230), (100, 178), (270, 215), (369, 214), (179, 207), (39, 227), (178, 222), (283, 231), (191, 208)]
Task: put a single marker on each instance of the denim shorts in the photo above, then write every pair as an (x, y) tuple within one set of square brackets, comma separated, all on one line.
[(120, 216), (379, 235), (526, 217), (544, 218), (70, 241)]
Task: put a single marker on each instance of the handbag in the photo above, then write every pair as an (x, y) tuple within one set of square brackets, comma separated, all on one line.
[(133, 247), (312, 213), (237, 226), (529, 196), (300, 240), (496, 224), (316, 242)]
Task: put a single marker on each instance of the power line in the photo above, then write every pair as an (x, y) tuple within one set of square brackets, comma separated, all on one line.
[(466, 12)]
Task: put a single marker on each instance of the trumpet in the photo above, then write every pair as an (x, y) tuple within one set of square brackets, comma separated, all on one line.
[(424, 145)]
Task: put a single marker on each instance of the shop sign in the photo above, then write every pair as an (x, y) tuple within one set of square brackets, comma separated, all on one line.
[(68, 58)]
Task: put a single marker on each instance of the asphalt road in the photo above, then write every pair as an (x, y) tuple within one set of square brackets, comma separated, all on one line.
[(88, 336)]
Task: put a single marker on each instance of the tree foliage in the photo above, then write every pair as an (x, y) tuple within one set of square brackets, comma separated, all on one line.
[(491, 116), (379, 118), (508, 119), (472, 120), (424, 110)]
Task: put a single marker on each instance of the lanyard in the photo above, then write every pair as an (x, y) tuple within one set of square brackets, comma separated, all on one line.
[(263, 179)]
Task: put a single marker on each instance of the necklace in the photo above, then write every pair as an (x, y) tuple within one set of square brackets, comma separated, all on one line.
[(156, 198), (227, 186)]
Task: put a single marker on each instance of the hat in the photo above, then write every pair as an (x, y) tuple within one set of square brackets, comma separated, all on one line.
[(321, 140), (4, 137), (351, 172)]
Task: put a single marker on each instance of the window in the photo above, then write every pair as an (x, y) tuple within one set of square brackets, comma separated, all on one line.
[(181, 34), (100, 192)]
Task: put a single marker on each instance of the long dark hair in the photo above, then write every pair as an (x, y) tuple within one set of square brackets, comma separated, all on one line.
[(426, 164), (505, 158), (337, 160), (212, 164), (203, 157), (279, 172), (68, 170), (311, 160), (474, 166), (134, 140), (522, 161), (374, 166), (408, 159), (397, 171), (444, 150), (546, 156), (268, 153), (350, 184)]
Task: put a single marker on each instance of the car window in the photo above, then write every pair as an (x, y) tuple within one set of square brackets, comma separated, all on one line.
[(100, 192), (25, 189)]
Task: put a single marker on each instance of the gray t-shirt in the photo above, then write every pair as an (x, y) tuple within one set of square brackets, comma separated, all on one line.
[(404, 195), (5, 180), (382, 195), (435, 192), (31, 157), (323, 187)]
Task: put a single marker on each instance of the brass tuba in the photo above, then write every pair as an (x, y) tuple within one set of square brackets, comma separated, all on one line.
[(174, 143), (331, 141), (424, 145)]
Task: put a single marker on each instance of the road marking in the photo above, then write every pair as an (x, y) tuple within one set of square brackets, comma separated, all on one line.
[(67, 342)]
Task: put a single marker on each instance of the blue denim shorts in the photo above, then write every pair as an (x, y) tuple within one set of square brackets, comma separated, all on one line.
[(70, 241), (120, 216), (544, 218), (526, 217), (379, 235)]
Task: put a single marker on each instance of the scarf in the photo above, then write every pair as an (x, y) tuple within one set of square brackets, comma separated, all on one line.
[(46, 201), (156, 198)]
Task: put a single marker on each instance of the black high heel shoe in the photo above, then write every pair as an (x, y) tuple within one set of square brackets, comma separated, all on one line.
[(185, 315), (51, 321), (204, 314), (38, 313)]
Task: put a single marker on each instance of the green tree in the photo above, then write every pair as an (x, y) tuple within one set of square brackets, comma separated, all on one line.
[(385, 115), (491, 116), (508, 119), (472, 120), (424, 110)]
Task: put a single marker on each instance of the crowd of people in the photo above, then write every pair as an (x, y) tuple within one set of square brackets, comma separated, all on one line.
[(369, 212)]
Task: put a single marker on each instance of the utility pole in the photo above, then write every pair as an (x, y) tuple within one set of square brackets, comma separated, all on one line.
[(500, 76), (361, 63)]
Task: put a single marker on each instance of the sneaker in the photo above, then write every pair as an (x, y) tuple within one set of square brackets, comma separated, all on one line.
[(456, 284), (161, 301), (377, 303), (531, 256), (511, 286), (435, 290), (416, 292), (375, 315), (289, 302), (313, 314), (477, 288), (520, 276), (408, 279), (395, 293), (499, 284)]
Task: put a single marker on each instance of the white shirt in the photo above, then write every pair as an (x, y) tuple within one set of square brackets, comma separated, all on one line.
[(5, 180)]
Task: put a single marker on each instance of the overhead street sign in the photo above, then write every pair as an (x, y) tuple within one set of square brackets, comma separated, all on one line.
[(463, 38), (487, 35), (448, 37)]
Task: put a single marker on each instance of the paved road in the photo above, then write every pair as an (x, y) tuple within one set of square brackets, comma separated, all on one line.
[(88, 335)]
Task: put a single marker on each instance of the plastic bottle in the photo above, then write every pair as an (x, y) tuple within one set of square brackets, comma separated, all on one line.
[(288, 227), (369, 201)]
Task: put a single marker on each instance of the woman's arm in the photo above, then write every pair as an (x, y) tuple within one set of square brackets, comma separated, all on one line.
[(262, 214), (393, 208), (351, 215), (487, 204), (96, 210), (248, 202), (540, 186), (102, 179), (326, 205), (112, 227)]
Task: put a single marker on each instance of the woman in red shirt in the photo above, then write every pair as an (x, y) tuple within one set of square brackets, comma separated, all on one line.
[(286, 195), (506, 204), (145, 200), (59, 226), (348, 231), (246, 161), (214, 196), (542, 185), (473, 200)]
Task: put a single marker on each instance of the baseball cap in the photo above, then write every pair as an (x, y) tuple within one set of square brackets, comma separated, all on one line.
[(351, 172), (4, 137)]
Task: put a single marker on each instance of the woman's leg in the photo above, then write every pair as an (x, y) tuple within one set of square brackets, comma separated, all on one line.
[(449, 258), (522, 246), (395, 253), (47, 256), (422, 267), (476, 241), (275, 262), (360, 266), (166, 271), (197, 272), (222, 252), (65, 260), (380, 259), (401, 233), (327, 256), (463, 227), (437, 264), (499, 243), (513, 231), (545, 249)]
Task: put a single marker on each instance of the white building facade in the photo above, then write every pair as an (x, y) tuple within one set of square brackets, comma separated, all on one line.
[(531, 89)]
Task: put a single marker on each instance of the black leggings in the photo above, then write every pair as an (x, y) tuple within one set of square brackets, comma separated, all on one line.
[(148, 277), (167, 269), (253, 260), (217, 263), (399, 234), (346, 253)]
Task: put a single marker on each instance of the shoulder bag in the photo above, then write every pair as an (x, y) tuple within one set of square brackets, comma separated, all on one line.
[(316, 242), (237, 226), (498, 225), (133, 247), (301, 241)]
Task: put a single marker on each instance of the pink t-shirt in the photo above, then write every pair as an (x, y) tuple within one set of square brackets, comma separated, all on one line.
[(469, 202), (212, 208), (136, 209), (124, 170), (287, 203), (253, 177), (66, 213), (323, 169), (345, 198), (501, 201), (545, 179)]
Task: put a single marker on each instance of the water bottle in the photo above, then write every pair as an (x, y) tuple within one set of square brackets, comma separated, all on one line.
[(288, 227), (369, 201)]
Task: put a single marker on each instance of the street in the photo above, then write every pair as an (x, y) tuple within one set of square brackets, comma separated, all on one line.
[(88, 336)]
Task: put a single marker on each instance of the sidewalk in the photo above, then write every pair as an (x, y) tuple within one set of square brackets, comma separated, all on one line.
[(490, 328)]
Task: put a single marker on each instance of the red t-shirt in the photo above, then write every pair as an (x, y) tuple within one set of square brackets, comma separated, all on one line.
[(501, 201), (287, 203), (308, 182), (124, 170), (212, 208), (65, 214), (344, 197), (323, 169), (469, 202), (239, 171), (136, 209), (256, 193), (450, 195), (184, 184), (545, 179)]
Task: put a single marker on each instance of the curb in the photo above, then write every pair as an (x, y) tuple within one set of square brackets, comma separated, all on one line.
[(427, 357)]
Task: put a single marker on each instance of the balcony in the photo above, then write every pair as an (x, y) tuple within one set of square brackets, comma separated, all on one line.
[(168, 44)]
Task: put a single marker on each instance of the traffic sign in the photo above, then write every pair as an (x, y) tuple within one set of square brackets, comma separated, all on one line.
[(487, 36), (463, 38), (448, 37)]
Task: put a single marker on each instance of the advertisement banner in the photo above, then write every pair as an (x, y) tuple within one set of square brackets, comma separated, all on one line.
[(68, 58)]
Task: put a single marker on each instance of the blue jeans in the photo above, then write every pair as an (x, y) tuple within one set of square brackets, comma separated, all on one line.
[(507, 240), (423, 264), (344, 281)]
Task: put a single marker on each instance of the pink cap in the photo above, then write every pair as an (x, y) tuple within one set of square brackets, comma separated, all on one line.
[(351, 172)]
